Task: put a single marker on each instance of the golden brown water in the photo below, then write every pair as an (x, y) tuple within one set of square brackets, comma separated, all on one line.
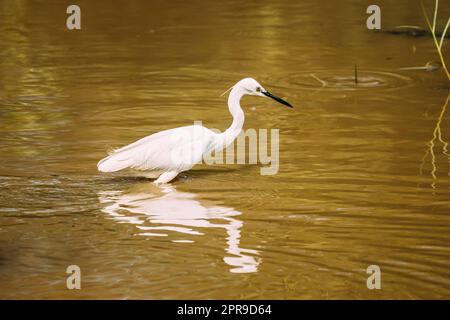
[(364, 171)]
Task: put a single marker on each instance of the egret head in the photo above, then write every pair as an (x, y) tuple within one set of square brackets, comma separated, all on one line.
[(252, 87)]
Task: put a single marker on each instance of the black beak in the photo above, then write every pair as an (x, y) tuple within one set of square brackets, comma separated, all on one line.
[(268, 94)]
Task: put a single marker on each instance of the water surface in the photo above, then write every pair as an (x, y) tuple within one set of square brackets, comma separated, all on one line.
[(364, 169)]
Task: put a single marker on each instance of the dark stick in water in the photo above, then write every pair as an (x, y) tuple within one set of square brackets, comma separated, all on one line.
[(356, 74)]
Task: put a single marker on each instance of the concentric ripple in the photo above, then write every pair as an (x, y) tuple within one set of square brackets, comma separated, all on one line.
[(345, 80)]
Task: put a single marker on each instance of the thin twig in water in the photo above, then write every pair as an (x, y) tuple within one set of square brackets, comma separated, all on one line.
[(318, 79), (356, 74), (432, 28)]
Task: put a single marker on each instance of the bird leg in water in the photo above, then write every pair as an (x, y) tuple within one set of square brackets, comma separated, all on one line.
[(166, 177)]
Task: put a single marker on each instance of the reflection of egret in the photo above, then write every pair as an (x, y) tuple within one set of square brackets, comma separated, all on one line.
[(155, 211)]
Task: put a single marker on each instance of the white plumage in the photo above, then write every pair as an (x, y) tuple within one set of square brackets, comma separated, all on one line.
[(169, 152), (173, 149)]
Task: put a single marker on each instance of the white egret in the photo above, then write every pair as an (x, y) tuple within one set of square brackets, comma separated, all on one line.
[(167, 153)]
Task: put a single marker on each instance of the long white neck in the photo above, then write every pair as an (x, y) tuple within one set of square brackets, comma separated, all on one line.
[(238, 115)]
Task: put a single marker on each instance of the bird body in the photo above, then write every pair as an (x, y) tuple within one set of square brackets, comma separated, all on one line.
[(169, 152), (159, 151)]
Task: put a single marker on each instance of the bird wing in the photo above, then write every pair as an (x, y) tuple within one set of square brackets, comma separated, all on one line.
[(175, 149)]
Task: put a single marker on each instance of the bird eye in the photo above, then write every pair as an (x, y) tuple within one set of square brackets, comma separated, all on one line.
[(258, 89)]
